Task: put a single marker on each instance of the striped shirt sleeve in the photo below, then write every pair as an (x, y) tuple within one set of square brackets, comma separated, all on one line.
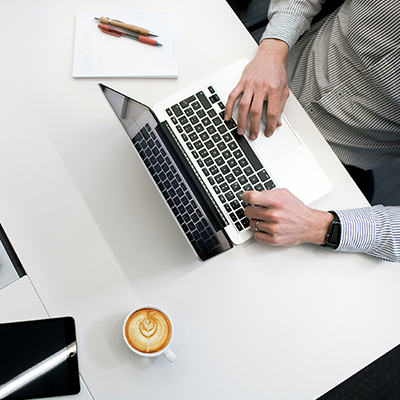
[(371, 230), (289, 19)]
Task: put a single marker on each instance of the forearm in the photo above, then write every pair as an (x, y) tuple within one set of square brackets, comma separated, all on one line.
[(273, 49), (316, 225)]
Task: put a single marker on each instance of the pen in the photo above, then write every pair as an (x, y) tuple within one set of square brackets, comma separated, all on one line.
[(122, 25), (134, 36)]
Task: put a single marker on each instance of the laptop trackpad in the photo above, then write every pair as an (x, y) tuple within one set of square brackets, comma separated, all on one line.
[(281, 142)]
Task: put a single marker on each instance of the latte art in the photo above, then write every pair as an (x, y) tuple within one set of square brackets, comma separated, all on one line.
[(148, 330)]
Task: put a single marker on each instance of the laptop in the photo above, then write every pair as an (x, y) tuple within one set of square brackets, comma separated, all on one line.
[(202, 166)]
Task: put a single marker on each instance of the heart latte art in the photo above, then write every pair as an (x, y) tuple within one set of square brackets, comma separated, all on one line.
[(148, 330)]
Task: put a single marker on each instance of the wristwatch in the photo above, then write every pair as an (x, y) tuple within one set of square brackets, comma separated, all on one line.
[(333, 236)]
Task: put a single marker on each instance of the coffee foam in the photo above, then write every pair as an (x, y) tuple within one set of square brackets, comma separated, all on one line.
[(148, 330)]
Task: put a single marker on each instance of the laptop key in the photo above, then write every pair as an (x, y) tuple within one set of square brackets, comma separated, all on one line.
[(198, 145), (201, 113), (235, 186), (222, 146), (245, 222), (253, 179), (189, 111), (211, 113), (224, 187), (269, 185), (185, 103), (240, 213), (239, 226), (211, 129), (225, 169), (214, 98), (196, 105), (177, 110), (214, 170), (217, 121), (203, 153), (263, 175), (235, 204), (204, 135), (229, 196), (230, 124), (203, 100), (209, 144), (219, 178), (214, 153), (237, 171), (206, 121), (209, 161), (193, 136), (199, 128), (230, 178), (243, 162), (222, 129), (194, 120), (248, 171)]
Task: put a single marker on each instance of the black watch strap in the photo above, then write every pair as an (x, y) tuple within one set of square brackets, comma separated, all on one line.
[(334, 231)]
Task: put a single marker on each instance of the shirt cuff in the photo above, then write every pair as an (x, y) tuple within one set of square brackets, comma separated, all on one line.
[(357, 230), (283, 27)]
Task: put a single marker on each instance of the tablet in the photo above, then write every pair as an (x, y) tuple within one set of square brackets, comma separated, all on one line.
[(38, 359)]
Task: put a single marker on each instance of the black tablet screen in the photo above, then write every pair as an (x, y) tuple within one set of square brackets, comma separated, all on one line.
[(38, 359)]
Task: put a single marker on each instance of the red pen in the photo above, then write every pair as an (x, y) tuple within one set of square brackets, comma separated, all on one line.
[(134, 36)]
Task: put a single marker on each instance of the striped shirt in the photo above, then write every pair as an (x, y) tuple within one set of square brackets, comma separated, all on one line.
[(345, 72)]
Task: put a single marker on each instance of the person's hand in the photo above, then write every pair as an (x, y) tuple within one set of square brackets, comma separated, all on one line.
[(283, 220), (263, 79)]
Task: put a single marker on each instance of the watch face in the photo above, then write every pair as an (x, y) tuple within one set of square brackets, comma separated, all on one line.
[(334, 234)]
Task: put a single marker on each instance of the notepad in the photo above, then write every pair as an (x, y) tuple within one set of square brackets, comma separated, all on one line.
[(99, 55)]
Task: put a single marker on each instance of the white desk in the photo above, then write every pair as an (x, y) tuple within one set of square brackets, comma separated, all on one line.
[(97, 240)]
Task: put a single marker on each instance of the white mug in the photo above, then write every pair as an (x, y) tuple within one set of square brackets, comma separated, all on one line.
[(148, 323)]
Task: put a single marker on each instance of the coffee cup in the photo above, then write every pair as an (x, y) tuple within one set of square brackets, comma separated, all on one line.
[(148, 331)]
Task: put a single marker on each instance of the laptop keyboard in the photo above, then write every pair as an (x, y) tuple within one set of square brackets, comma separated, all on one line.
[(226, 159), (179, 197)]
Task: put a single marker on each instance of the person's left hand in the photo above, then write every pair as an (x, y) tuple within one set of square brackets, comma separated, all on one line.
[(283, 220)]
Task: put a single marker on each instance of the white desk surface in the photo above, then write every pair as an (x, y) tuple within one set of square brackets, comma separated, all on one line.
[(97, 240)]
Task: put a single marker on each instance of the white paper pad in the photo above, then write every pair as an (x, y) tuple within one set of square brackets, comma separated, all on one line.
[(98, 54)]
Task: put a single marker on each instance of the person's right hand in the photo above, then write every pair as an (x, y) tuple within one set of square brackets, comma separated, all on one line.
[(263, 79), (283, 220)]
